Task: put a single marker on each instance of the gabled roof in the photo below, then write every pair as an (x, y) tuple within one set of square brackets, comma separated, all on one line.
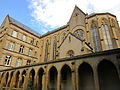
[(76, 38), (17, 23), (67, 36), (76, 8)]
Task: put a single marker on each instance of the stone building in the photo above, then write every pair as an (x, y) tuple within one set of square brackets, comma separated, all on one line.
[(84, 54)]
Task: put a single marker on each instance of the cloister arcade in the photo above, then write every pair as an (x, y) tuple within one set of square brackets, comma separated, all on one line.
[(89, 72)]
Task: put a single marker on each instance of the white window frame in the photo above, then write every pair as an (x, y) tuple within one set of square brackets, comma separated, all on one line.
[(21, 49), (11, 46), (24, 37), (30, 52), (14, 34), (19, 62), (7, 60)]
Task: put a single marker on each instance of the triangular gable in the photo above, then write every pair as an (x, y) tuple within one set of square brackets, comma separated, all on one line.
[(74, 11), (5, 22), (77, 18), (67, 37)]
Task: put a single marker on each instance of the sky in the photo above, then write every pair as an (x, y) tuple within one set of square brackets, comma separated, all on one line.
[(46, 15)]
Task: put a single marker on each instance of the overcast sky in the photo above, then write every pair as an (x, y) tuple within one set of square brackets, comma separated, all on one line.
[(46, 15)]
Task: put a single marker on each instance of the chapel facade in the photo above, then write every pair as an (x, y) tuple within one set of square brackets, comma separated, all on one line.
[(84, 54)]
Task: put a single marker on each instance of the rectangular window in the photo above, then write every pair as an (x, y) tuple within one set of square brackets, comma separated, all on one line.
[(30, 52), (28, 62), (7, 60), (14, 33), (35, 54), (24, 37), (32, 41), (19, 62), (11, 46), (21, 49)]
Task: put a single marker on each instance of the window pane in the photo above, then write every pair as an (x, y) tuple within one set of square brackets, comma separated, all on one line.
[(11, 46), (14, 34), (24, 37), (19, 62), (7, 60), (30, 52)]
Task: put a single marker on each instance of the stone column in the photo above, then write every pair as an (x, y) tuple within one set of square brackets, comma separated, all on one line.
[(59, 81), (77, 81), (96, 79), (36, 80), (26, 80), (44, 81), (73, 73)]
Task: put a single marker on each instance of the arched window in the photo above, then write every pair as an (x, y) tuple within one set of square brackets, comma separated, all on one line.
[(46, 50), (63, 36), (70, 53), (79, 33), (96, 38), (54, 48), (106, 35)]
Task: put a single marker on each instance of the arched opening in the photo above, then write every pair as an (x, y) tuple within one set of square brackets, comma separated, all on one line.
[(70, 53), (6, 79), (66, 81), (10, 79), (1, 77), (40, 78), (53, 79), (108, 76), (31, 80), (23, 78), (17, 79), (86, 80)]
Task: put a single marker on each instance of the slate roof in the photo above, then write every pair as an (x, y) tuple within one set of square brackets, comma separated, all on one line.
[(17, 23)]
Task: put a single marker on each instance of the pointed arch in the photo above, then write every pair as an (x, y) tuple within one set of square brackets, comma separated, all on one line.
[(31, 79), (54, 47), (6, 79), (23, 79), (66, 75), (11, 75), (46, 50), (106, 34), (40, 79), (108, 76), (85, 77), (96, 36), (53, 78), (17, 78)]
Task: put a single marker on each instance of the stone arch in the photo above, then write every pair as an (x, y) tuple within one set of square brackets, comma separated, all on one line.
[(95, 33), (40, 79), (11, 75), (70, 53), (31, 79), (103, 19), (2, 76), (22, 79), (85, 77), (66, 78), (108, 76), (17, 77), (53, 78), (6, 79), (93, 22)]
